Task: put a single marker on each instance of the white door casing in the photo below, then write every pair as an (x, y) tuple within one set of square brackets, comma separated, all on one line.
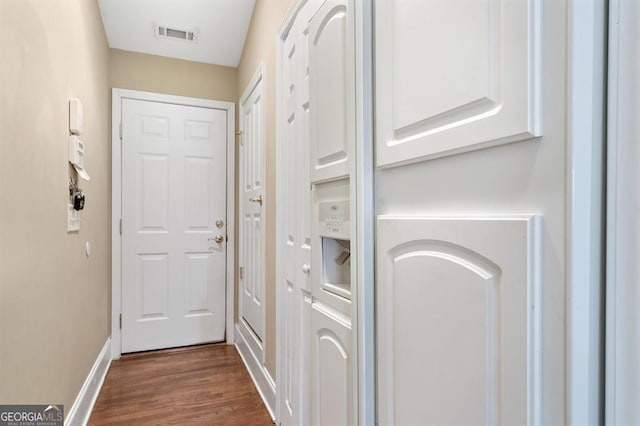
[(456, 83), (174, 189), (623, 217), (252, 205)]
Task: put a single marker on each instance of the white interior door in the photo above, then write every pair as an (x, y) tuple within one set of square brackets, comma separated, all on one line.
[(471, 230), (315, 137), (173, 254), (294, 221), (251, 208)]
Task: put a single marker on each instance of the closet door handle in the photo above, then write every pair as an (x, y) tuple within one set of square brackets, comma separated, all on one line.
[(257, 199)]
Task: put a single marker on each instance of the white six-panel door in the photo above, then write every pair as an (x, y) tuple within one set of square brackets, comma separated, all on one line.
[(173, 192), (251, 212), (471, 200)]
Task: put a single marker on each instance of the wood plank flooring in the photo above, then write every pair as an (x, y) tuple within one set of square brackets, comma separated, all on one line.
[(207, 385)]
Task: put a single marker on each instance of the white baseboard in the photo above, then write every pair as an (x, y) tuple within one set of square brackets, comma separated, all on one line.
[(81, 408), (261, 378)]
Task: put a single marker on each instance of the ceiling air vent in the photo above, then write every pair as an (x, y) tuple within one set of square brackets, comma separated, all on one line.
[(163, 31)]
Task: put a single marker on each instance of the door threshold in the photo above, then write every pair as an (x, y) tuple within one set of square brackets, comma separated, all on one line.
[(142, 354)]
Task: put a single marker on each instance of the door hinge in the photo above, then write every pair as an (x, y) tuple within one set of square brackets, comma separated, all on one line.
[(120, 321), (241, 272), (121, 131), (240, 138), (120, 226)]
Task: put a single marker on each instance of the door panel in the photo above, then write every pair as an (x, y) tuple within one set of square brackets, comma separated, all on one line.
[(330, 91), (198, 205), (174, 186), (153, 209), (331, 367), (455, 76), (153, 286), (458, 320)]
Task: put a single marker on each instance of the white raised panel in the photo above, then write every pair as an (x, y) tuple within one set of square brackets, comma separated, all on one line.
[(153, 286), (288, 351), (201, 137), (197, 193), (197, 130), (256, 248), (155, 126), (330, 99), (454, 76), (257, 124), (458, 320), (197, 283), (331, 365), (153, 181)]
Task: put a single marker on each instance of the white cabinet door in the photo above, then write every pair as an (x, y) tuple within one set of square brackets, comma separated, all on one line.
[(458, 320), (331, 90), (173, 192), (463, 89), (251, 202), (454, 76), (332, 363)]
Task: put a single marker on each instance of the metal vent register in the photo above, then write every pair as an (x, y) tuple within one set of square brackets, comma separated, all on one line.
[(175, 33)]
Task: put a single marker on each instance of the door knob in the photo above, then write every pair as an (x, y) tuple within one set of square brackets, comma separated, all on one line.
[(306, 268), (218, 239), (257, 199)]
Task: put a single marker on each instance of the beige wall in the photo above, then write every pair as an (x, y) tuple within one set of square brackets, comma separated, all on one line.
[(54, 300), (150, 73), (260, 47)]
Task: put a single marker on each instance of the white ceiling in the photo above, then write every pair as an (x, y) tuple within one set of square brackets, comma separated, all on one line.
[(221, 27)]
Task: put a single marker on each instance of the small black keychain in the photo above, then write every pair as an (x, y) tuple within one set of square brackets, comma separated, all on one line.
[(78, 200)]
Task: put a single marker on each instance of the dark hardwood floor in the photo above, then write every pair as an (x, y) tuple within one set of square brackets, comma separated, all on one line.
[(206, 385)]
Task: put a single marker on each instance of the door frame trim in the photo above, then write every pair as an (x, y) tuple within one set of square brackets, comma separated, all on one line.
[(586, 103), (363, 196), (622, 325), (116, 203)]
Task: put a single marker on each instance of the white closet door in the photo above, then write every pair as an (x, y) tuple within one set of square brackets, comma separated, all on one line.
[(252, 222), (463, 89), (298, 324), (331, 90), (459, 332), (287, 273)]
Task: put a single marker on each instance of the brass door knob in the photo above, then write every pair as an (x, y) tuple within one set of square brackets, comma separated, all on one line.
[(218, 239)]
